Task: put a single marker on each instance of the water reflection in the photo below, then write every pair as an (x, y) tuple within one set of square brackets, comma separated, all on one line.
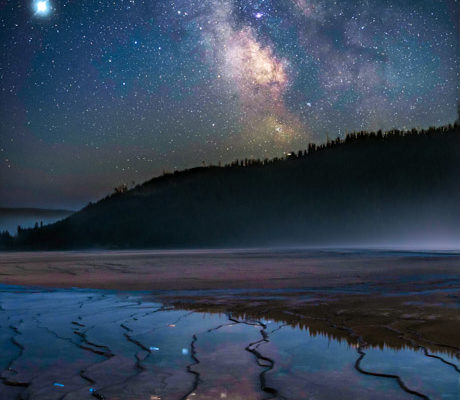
[(77, 344)]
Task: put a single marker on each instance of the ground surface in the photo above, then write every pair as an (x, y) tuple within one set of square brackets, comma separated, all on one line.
[(373, 301), (382, 296), (230, 269)]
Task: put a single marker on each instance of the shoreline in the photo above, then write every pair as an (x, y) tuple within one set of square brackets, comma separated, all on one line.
[(403, 299)]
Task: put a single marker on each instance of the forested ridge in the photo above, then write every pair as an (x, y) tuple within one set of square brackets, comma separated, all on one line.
[(369, 187)]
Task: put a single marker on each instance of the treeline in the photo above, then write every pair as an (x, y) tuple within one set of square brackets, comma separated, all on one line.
[(398, 185), (351, 138), (6, 239)]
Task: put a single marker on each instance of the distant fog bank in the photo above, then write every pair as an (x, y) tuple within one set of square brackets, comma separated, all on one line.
[(10, 218)]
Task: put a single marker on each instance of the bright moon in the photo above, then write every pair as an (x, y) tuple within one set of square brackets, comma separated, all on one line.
[(42, 7)]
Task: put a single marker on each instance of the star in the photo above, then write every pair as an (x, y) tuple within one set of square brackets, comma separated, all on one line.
[(42, 7), (147, 84)]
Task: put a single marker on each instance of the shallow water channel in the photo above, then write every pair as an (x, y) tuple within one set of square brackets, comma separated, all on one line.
[(86, 344)]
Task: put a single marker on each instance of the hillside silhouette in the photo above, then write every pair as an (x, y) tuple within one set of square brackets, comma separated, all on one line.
[(392, 187)]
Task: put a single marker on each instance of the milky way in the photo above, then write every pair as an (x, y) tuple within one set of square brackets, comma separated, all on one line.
[(94, 94)]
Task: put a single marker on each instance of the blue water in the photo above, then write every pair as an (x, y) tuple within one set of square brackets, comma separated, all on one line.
[(86, 344)]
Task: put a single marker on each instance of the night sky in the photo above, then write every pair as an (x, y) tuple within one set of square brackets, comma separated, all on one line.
[(98, 93)]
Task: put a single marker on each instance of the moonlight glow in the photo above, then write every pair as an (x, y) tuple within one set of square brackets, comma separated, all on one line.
[(42, 7)]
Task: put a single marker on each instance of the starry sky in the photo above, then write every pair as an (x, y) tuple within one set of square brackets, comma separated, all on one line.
[(96, 93)]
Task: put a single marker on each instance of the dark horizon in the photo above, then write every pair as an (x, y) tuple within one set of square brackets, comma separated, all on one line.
[(164, 171), (79, 205), (368, 188)]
